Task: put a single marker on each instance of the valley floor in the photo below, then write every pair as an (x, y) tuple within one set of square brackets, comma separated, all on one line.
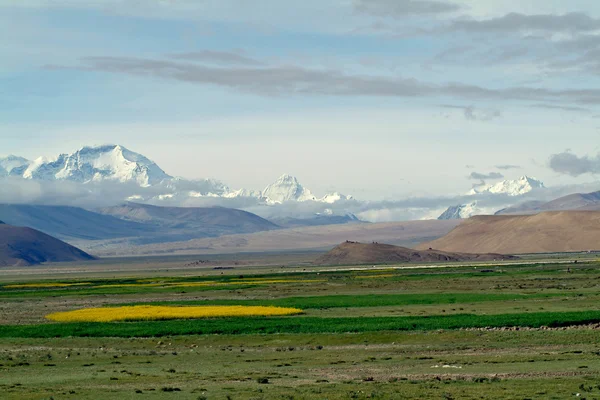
[(509, 331)]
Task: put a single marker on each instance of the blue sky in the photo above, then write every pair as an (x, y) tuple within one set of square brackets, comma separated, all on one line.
[(382, 99)]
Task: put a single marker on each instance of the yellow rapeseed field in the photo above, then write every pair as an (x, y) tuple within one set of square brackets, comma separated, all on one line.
[(157, 313)]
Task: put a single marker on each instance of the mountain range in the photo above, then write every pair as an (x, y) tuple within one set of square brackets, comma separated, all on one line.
[(133, 223), (511, 188), (115, 163), (516, 187)]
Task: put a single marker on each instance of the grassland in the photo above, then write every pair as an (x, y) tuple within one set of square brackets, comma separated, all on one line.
[(497, 331)]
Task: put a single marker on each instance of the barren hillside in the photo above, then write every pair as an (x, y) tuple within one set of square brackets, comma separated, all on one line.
[(350, 253), (557, 231)]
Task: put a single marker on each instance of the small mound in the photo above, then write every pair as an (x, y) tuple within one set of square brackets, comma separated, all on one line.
[(353, 253), (161, 313)]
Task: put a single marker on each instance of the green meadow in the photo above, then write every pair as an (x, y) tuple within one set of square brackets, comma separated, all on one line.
[(466, 332)]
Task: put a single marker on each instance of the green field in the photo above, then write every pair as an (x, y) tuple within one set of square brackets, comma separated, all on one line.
[(509, 331)]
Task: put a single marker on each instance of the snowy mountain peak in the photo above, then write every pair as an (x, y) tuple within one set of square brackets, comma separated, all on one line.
[(287, 188), (10, 165), (517, 187), (287, 179), (459, 212), (334, 198), (94, 164)]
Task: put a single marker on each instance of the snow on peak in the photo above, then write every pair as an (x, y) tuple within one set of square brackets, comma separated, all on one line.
[(11, 165), (461, 211), (243, 193), (517, 187), (94, 164), (287, 188), (334, 198)]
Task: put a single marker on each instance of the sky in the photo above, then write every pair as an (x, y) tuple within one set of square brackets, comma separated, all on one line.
[(381, 99)]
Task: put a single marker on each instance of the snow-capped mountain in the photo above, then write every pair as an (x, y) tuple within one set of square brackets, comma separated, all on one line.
[(460, 211), (334, 198), (95, 164), (243, 193), (512, 188), (115, 163), (13, 165), (287, 188), (518, 187)]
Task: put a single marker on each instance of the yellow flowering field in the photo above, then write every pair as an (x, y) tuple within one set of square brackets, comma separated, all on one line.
[(157, 313)]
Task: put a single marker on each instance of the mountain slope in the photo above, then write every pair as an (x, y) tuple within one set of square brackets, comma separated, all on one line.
[(560, 231), (459, 211), (576, 201), (71, 222), (350, 253), (291, 222), (25, 246), (10, 165), (213, 221)]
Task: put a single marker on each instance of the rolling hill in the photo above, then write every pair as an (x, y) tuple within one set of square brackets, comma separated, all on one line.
[(546, 232), (26, 246), (213, 221), (576, 201), (353, 253), (69, 223), (133, 223)]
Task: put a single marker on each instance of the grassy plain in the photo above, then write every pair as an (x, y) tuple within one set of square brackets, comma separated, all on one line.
[(513, 330)]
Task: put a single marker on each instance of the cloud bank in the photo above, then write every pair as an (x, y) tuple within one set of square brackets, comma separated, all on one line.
[(573, 165)]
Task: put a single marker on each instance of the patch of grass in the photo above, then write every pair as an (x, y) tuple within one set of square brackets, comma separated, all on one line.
[(370, 300), (272, 325)]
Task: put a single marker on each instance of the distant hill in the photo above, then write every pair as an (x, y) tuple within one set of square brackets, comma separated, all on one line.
[(133, 223), (211, 221), (353, 253), (317, 220), (576, 201), (555, 231), (26, 246), (71, 222)]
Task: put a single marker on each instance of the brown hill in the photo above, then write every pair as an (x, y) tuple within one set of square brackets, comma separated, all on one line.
[(556, 231), (354, 253), (572, 202), (26, 246)]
